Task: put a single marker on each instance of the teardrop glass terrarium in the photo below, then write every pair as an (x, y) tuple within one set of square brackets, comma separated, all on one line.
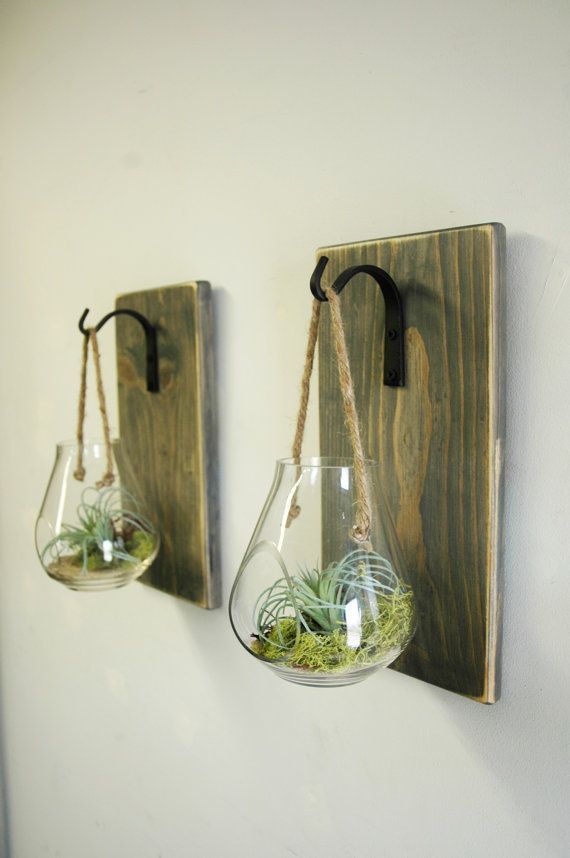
[(312, 604), (91, 536)]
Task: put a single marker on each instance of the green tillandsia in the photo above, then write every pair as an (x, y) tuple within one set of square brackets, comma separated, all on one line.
[(107, 532), (302, 620)]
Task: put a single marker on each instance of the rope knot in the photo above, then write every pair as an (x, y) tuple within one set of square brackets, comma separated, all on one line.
[(106, 480), (360, 532), (361, 537)]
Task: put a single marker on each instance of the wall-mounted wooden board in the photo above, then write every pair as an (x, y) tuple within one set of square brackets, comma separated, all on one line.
[(440, 437), (171, 435)]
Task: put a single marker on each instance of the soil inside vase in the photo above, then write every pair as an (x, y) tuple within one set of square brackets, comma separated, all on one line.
[(139, 547)]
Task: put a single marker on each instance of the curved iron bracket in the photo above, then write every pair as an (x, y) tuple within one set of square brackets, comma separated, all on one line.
[(394, 358), (152, 382)]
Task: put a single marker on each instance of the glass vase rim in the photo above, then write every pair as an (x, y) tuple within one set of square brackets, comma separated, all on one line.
[(68, 443), (324, 462)]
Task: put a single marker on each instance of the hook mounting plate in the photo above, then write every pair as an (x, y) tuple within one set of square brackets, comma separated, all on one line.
[(394, 352)]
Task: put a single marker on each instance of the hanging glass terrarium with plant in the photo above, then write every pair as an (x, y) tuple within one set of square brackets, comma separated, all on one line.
[(93, 532), (320, 596)]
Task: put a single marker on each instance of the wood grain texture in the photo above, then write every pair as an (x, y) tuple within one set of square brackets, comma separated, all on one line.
[(171, 435), (440, 438)]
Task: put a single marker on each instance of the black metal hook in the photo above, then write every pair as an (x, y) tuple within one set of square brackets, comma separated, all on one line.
[(394, 359), (152, 382)]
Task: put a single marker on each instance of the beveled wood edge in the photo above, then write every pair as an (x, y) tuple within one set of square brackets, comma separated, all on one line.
[(209, 442), (408, 235), (185, 284), (497, 412)]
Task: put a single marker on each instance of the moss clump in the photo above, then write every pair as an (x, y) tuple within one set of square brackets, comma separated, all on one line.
[(316, 651), (280, 639), (139, 546)]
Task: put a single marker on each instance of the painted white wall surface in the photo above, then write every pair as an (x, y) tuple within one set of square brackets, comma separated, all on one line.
[(146, 143)]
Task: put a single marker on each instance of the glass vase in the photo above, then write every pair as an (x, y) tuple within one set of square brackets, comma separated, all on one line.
[(91, 536), (308, 601)]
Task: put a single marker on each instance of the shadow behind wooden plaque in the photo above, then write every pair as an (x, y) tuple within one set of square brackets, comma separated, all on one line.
[(171, 435), (439, 438)]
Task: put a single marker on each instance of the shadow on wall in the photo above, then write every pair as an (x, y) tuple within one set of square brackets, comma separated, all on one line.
[(524, 738), (4, 816)]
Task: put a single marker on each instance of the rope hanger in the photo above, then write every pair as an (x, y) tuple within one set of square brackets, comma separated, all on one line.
[(394, 376), (361, 529), (108, 477)]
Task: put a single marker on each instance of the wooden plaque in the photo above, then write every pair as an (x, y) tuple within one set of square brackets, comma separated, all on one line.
[(171, 435), (440, 438)]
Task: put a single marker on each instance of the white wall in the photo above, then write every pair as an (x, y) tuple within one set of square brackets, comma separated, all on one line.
[(145, 143)]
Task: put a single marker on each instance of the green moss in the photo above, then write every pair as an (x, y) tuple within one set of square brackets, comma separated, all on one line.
[(279, 641), (94, 562), (140, 546), (319, 652)]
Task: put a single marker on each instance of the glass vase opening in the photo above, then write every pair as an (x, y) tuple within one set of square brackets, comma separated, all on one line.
[(91, 536), (309, 601)]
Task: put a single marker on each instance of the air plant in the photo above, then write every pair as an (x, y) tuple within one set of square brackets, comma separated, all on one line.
[(354, 612), (106, 533)]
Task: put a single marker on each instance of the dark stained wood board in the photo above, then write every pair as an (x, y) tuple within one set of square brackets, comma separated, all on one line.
[(171, 435), (440, 438)]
